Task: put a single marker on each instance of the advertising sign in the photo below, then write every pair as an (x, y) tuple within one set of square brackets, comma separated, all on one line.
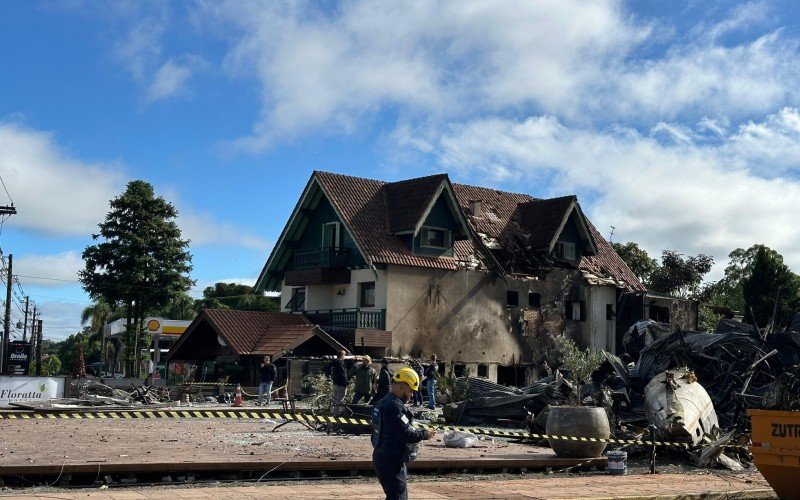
[(15, 389), (19, 358)]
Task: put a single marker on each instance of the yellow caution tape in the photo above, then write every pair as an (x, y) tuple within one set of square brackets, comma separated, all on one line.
[(249, 414)]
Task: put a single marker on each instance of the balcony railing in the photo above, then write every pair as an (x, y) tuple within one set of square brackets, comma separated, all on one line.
[(320, 257), (350, 319)]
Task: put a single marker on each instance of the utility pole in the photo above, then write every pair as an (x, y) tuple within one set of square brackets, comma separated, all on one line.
[(39, 349), (25, 323), (33, 334), (7, 320)]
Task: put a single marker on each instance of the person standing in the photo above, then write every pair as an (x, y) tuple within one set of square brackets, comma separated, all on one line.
[(416, 365), (394, 437), (384, 382), (365, 380), (268, 373), (431, 372), (339, 380)]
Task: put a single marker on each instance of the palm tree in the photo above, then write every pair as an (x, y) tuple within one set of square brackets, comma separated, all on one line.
[(97, 315)]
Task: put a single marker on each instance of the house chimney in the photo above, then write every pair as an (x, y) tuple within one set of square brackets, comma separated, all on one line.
[(475, 206)]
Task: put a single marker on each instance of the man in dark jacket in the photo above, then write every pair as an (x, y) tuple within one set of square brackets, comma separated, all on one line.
[(268, 373), (431, 373), (339, 380), (394, 437), (416, 365), (384, 382)]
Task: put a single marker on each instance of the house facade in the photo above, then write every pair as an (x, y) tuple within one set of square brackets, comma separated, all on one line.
[(481, 277)]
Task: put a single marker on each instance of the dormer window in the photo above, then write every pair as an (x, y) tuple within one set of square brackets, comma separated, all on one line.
[(434, 237), (565, 250)]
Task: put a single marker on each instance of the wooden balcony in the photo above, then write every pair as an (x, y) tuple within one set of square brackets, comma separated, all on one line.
[(349, 319), (326, 257), (354, 327), (319, 266)]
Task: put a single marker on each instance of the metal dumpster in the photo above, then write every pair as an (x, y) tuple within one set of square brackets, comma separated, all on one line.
[(776, 449)]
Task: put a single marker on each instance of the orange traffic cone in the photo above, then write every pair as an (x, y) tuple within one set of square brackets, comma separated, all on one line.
[(237, 398)]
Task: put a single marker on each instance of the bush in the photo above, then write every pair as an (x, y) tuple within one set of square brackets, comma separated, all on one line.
[(580, 363)]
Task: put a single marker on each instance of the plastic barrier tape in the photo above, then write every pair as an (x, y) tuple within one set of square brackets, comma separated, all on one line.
[(261, 414)]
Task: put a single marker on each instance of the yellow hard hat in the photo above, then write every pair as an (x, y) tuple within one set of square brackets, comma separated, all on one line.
[(408, 376)]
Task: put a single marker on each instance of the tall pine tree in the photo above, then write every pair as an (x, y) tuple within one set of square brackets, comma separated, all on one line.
[(140, 262)]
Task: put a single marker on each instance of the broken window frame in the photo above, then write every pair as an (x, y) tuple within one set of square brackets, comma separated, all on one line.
[(575, 310), (566, 250), (425, 240), (512, 294), (298, 301), (535, 300)]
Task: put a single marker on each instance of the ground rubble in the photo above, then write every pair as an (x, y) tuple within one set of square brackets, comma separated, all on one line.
[(688, 388)]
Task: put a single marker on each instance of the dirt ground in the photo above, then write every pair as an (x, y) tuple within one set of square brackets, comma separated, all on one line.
[(192, 440)]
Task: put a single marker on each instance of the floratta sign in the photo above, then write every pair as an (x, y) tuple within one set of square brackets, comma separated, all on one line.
[(17, 389)]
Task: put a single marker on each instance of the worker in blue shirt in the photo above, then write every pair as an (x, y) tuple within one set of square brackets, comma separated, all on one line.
[(394, 438)]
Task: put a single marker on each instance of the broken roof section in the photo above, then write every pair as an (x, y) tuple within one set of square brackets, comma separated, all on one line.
[(515, 232), (250, 333)]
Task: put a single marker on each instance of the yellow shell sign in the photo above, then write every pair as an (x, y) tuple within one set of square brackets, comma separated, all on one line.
[(153, 325)]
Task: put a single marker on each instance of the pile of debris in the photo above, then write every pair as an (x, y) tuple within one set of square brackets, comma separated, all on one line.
[(690, 387)]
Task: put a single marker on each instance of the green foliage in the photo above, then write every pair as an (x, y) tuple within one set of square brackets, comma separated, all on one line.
[(51, 365), (181, 307), (768, 276), (141, 262), (235, 296), (637, 259), (68, 351), (580, 363), (317, 383), (678, 275)]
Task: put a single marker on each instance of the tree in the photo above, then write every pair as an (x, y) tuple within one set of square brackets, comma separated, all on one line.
[(51, 365), (140, 263), (767, 277), (235, 296), (69, 350), (637, 259), (181, 307), (679, 276), (97, 315)]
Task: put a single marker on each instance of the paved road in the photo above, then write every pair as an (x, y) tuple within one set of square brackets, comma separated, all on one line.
[(660, 486)]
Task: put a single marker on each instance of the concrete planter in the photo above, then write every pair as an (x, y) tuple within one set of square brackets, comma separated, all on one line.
[(579, 421)]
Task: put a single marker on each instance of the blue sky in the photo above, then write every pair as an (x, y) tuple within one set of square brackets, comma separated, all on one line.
[(675, 122)]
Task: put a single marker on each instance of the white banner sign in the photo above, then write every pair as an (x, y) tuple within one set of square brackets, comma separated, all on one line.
[(14, 389)]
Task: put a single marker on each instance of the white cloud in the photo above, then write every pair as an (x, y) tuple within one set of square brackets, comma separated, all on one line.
[(169, 80), (207, 230), (331, 69), (49, 271), (685, 196), (437, 59), (54, 192)]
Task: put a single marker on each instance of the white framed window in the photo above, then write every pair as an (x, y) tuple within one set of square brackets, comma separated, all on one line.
[(565, 250), (435, 237), (367, 294), (331, 235)]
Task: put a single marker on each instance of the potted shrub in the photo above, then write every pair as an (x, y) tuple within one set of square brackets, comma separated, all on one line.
[(577, 420)]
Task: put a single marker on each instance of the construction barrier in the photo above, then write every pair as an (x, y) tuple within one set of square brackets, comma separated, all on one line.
[(318, 419)]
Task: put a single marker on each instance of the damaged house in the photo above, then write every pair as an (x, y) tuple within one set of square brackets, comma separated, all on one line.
[(481, 277)]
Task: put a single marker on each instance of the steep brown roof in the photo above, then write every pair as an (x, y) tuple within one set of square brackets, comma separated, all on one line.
[(260, 332), (373, 209), (406, 200), (543, 219), (362, 206), (501, 220)]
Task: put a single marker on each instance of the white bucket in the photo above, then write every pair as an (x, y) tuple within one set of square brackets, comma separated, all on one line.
[(617, 462)]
